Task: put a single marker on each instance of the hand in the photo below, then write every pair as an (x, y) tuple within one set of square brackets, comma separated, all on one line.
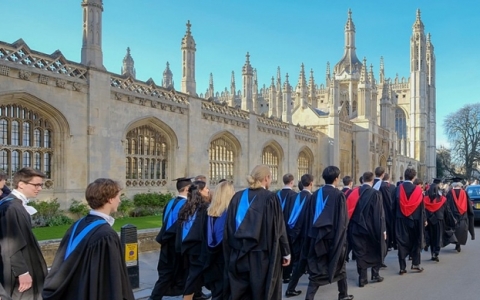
[(384, 235), (285, 262), (24, 282), (426, 223)]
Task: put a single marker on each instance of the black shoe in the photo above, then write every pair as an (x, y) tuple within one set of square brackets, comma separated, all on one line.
[(458, 248), (402, 272), (286, 280), (348, 297), (409, 258), (293, 293), (202, 296), (377, 278), (425, 249), (362, 283), (418, 268), (384, 265)]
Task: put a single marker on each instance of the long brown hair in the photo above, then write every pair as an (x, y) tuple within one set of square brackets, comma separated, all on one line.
[(195, 201)]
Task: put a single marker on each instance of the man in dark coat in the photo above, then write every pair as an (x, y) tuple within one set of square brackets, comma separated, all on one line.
[(326, 240), (459, 204), (89, 263), (255, 241), (296, 233), (171, 275), (385, 189), (347, 185), (367, 231), (23, 267), (287, 196), (410, 221)]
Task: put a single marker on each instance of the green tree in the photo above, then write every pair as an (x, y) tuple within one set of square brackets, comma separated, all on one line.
[(463, 131)]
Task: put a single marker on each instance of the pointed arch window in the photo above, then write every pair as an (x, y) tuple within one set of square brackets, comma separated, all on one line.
[(400, 124), (271, 158), (25, 141), (146, 157), (222, 164), (304, 164)]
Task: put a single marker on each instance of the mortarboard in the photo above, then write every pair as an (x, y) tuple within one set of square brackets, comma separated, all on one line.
[(436, 180), (456, 179), (183, 182)]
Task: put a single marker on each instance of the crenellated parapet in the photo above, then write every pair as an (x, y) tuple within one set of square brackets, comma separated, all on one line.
[(223, 113), (147, 94), (272, 126), (307, 135), (17, 60)]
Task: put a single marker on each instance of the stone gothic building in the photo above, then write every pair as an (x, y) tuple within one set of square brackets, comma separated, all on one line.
[(78, 121)]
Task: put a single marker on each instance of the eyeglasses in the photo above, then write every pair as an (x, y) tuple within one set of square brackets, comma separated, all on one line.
[(36, 185)]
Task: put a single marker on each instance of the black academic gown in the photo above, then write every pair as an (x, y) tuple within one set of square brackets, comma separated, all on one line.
[(171, 272), (367, 227), (287, 200), (387, 190), (465, 221), (254, 251), (437, 221), (296, 229), (409, 230), (20, 250), (326, 241), (193, 248), (95, 270)]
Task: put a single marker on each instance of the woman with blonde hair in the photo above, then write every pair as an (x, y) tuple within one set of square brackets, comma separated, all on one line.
[(255, 243), (215, 264)]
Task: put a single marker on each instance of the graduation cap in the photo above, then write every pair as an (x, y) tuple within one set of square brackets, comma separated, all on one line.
[(437, 180), (183, 182), (456, 179)]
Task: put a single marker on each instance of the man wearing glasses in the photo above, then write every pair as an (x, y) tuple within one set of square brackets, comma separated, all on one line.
[(23, 269)]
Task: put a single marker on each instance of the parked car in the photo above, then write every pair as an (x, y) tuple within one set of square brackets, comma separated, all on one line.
[(473, 192)]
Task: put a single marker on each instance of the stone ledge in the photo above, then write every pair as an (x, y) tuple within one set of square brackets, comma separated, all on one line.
[(146, 242)]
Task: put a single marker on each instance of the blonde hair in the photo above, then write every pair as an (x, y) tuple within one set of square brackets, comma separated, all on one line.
[(259, 173), (221, 199)]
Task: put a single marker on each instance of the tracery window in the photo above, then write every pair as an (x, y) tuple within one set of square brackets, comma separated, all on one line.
[(21, 132), (146, 157), (270, 158), (304, 164), (400, 124), (222, 160)]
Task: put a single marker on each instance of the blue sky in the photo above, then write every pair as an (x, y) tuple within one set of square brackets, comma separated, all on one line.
[(276, 33)]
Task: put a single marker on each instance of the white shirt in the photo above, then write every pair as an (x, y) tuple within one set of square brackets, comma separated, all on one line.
[(30, 209), (107, 218)]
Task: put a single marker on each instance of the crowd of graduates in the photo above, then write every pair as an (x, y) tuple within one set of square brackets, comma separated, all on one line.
[(239, 245), (244, 245)]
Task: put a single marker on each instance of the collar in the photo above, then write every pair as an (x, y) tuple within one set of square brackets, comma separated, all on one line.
[(182, 196), (307, 190), (367, 183), (286, 188), (30, 209), (408, 181), (331, 185), (107, 218)]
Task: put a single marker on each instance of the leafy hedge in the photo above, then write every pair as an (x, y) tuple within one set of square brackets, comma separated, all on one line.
[(143, 204)]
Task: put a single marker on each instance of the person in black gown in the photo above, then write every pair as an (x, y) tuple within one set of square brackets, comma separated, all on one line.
[(295, 216), (459, 204), (214, 272), (89, 262), (286, 196), (255, 242), (23, 268), (171, 275), (191, 236), (409, 221), (367, 231), (326, 239)]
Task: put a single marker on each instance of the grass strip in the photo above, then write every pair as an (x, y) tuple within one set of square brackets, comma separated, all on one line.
[(57, 232)]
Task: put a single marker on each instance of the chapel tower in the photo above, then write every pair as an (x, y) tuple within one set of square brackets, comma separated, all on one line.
[(92, 55), (188, 63)]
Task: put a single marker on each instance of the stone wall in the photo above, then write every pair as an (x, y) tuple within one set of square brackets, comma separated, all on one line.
[(146, 242)]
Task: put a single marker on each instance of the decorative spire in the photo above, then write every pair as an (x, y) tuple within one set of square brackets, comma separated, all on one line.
[(247, 68), (279, 78), (167, 81), (302, 81), (232, 80), (418, 25), (349, 62), (188, 42), (382, 70), (371, 76), (128, 67), (286, 85), (363, 72)]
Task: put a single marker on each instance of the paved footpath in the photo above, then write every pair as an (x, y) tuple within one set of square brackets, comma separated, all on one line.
[(456, 276)]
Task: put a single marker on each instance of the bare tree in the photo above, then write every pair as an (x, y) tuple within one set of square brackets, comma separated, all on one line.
[(463, 131)]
